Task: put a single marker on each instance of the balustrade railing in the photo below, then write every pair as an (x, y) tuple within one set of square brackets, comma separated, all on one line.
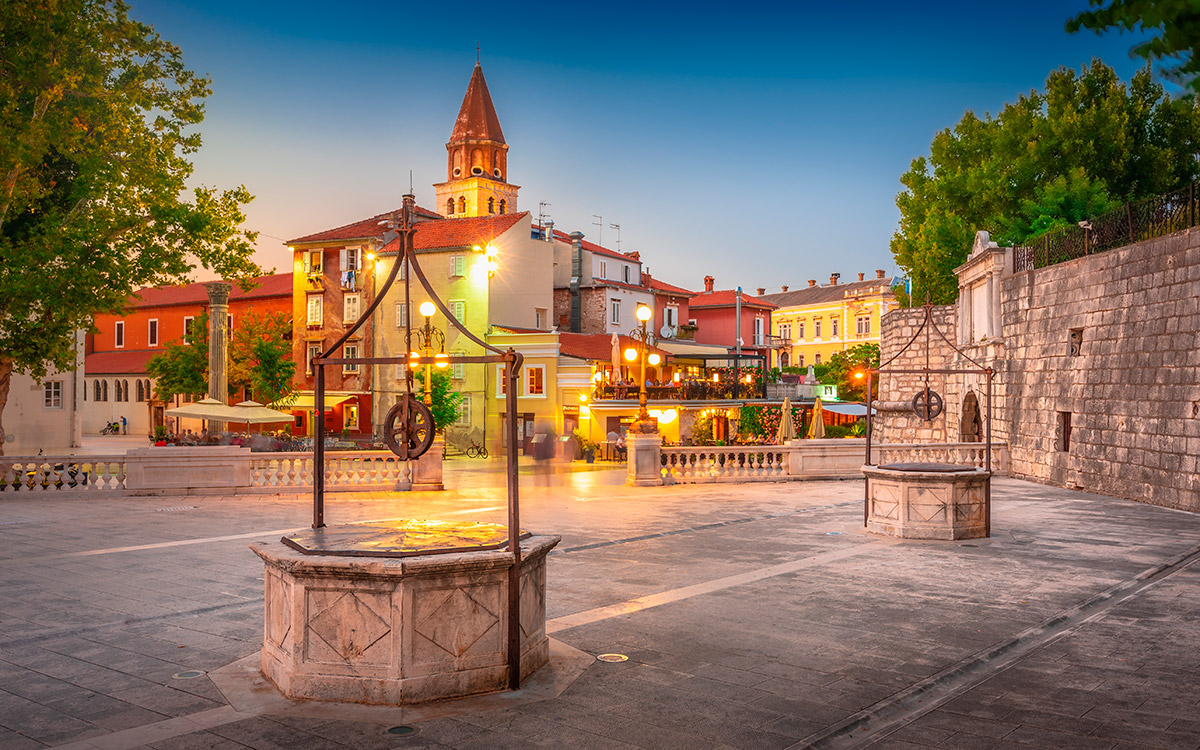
[(344, 470), (696, 463), (703, 390), (964, 454), (62, 473)]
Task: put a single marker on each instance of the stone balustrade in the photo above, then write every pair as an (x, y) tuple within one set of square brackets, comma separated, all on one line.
[(74, 474), (963, 454), (699, 463)]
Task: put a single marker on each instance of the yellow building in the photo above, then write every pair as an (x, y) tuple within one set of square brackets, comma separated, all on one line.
[(817, 321)]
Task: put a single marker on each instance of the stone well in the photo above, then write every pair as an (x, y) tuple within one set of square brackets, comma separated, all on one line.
[(404, 628), (927, 501)]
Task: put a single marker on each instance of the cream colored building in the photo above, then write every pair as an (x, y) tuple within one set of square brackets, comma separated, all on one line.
[(45, 415)]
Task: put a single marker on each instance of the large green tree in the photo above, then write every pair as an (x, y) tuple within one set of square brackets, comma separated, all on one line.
[(1085, 144), (1172, 28), (182, 367), (843, 367), (97, 125)]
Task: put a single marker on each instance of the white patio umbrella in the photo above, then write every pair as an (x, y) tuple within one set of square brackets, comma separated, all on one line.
[(787, 427), (206, 408), (252, 412)]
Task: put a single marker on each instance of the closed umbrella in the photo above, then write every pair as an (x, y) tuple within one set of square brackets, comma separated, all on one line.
[(816, 430), (616, 358), (787, 427)]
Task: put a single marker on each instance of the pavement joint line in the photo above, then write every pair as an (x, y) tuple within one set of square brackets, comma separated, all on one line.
[(126, 739), (589, 616), (899, 709), (42, 638), (702, 527), (210, 539)]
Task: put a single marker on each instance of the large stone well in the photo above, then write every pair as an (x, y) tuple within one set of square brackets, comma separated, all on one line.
[(928, 501), (384, 623)]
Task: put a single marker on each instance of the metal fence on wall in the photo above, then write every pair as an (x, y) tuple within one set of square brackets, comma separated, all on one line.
[(1133, 222)]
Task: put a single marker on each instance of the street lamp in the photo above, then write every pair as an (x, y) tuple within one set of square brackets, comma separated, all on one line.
[(644, 423), (426, 336)]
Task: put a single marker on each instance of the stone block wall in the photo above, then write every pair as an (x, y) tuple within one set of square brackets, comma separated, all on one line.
[(1130, 383), (1097, 383), (593, 309)]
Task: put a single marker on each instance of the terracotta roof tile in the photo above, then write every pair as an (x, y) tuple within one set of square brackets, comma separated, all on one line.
[(817, 295), (277, 285), (477, 119), (662, 286), (728, 298), (594, 248), (359, 230), (118, 363), (473, 230)]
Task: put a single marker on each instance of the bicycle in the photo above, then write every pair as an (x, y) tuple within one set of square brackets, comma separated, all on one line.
[(112, 428), (476, 451)]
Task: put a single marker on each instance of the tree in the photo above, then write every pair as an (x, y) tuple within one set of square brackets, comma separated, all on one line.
[(1085, 144), (260, 357), (97, 116), (842, 368), (446, 402), (1176, 21), (182, 368)]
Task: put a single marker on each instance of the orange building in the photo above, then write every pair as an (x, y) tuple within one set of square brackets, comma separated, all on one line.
[(115, 381)]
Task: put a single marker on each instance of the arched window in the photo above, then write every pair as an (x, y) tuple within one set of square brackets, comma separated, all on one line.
[(141, 392), (96, 394), (449, 205), (816, 359), (462, 204), (105, 382), (503, 206), (148, 394), (491, 205), (783, 359), (124, 390)]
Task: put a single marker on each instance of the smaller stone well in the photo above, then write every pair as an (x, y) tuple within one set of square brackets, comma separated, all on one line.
[(927, 501), (355, 614)]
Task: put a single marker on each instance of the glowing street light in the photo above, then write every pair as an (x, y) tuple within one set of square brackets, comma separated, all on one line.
[(645, 422), (426, 336)]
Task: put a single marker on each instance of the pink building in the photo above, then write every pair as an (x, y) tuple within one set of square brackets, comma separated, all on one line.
[(715, 315)]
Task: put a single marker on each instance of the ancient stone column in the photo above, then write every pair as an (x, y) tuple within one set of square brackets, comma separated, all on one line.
[(218, 345)]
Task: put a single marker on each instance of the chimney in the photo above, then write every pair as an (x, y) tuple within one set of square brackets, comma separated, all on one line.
[(708, 283), (784, 287), (879, 273), (576, 280), (549, 230), (633, 255), (646, 278), (762, 290), (833, 278), (812, 282), (860, 277)]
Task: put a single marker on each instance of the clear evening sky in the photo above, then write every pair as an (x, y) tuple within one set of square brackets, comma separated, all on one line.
[(761, 142)]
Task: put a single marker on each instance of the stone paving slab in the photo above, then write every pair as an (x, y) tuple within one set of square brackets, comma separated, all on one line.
[(754, 616)]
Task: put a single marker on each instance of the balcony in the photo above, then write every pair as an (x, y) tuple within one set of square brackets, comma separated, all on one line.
[(696, 390)]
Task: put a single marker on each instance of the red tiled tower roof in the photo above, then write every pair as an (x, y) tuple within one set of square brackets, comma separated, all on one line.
[(477, 119)]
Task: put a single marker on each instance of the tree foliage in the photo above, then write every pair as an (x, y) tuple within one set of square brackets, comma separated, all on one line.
[(842, 368), (182, 367), (260, 357), (1177, 27), (97, 117), (446, 401), (1085, 144)]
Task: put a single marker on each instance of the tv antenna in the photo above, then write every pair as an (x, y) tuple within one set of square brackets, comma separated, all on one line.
[(618, 228), (542, 213), (600, 234)]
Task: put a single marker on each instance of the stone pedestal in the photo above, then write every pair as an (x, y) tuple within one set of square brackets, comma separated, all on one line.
[(174, 469), (936, 504), (427, 470), (392, 631), (644, 459)]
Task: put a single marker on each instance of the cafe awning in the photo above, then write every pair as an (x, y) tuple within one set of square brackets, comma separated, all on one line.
[(307, 402)]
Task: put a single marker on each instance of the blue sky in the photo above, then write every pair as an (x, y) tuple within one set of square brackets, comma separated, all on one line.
[(761, 143)]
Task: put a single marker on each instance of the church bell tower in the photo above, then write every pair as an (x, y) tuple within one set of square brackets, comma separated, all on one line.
[(477, 160)]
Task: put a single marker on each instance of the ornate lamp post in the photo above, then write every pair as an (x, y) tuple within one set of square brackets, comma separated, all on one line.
[(425, 338), (645, 423)]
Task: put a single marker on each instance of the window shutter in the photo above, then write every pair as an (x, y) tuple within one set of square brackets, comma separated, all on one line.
[(342, 259)]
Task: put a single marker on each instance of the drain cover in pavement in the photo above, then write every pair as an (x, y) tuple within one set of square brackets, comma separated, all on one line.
[(189, 675), (402, 731), (833, 533), (612, 657)]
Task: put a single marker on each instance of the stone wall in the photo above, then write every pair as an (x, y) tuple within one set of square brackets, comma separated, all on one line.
[(1099, 359), (593, 309)]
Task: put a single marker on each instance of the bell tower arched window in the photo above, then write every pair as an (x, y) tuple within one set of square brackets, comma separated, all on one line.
[(503, 206), (491, 205), (449, 205), (462, 204)]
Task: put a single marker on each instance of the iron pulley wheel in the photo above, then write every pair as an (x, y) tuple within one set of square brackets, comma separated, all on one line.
[(927, 404), (408, 428)]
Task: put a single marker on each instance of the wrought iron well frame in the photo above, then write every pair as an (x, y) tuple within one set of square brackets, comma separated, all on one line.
[(406, 257), (988, 372)]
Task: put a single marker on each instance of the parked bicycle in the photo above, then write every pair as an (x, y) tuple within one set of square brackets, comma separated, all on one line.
[(476, 451), (112, 428)]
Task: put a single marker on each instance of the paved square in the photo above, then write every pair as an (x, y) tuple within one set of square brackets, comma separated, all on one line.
[(753, 616)]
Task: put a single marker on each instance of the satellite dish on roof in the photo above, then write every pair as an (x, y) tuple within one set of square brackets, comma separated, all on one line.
[(668, 332)]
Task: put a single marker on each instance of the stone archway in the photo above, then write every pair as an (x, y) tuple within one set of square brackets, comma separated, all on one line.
[(971, 425)]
